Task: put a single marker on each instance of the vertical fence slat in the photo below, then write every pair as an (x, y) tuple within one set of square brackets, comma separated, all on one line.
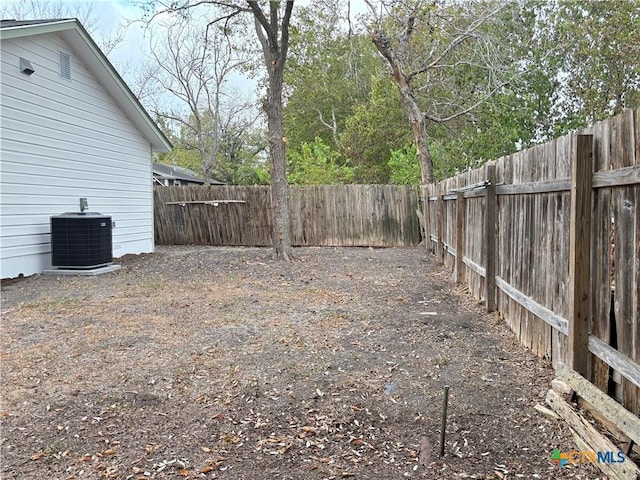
[(580, 254), (440, 226), (601, 257), (490, 239), (625, 207), (543, 247), (460, 222)]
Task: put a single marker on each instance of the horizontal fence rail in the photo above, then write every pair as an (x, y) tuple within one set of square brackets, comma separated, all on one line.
[(550, 238), (321, 215)]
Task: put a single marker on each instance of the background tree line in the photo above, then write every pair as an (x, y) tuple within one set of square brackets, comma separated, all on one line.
[(487, 79), (527, 73)]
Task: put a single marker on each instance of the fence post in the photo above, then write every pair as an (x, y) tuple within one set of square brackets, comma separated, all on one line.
[(490, 239), (580, 252), (440, 215), (460, 222), (424, 195)]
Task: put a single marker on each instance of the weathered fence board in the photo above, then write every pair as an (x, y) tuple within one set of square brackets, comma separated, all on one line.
[(339, 215), (626, 221), (533, 249), (601, 255), (580, 254)]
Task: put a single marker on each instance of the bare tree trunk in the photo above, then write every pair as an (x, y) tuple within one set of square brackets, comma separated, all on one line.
[(442, 35), (419, 130), (272, 31), (275, 56), (277, 161), (416, 117)]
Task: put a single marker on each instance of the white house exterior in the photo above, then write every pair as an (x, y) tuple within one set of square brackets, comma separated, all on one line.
[(70, 128)]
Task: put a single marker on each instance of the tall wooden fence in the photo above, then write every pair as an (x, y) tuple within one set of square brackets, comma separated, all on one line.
[(550, 237), (337, 215)]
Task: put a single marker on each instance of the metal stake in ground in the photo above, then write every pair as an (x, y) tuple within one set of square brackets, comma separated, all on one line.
[(444, 419)]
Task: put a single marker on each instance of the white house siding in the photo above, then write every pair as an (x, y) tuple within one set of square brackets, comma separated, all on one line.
[(61, 140)]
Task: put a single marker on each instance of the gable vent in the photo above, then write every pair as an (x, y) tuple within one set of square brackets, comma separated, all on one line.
[(65, 65)]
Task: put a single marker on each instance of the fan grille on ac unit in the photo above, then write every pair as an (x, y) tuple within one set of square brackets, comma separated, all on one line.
[(81, 240)]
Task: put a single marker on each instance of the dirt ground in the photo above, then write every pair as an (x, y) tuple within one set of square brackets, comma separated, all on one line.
[(204, 362)]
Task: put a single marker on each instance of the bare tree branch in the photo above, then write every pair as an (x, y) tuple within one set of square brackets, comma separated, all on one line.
[(332, 127), (463, 111), (421, 38), (195, 73), (275, 54)]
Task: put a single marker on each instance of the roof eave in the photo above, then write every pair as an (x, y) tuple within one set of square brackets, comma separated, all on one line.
[(54, 26)]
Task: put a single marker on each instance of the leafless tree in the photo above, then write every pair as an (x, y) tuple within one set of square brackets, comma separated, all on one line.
[(425, 42), (186, 84), (272, 29)]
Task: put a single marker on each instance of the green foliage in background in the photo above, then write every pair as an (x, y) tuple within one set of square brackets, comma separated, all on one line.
[(375, 128), (404, 166), (329, 72), (570, 64), (318, 164)]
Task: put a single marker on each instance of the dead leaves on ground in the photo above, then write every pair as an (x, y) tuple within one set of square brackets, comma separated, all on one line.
[(329, 379)]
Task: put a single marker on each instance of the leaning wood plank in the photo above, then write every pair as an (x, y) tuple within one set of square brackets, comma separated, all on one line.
[(547, 412), (625, 421), (584, 446), (545, 186), (556, 321), (617, 177), (593, 440), (618, 361)]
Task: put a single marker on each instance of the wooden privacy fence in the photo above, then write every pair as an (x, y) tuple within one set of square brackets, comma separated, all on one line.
[(550, 237), (321, 215)]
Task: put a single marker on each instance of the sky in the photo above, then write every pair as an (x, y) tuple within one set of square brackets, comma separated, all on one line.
[(113, 15), (134, 49), (110, 15)]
